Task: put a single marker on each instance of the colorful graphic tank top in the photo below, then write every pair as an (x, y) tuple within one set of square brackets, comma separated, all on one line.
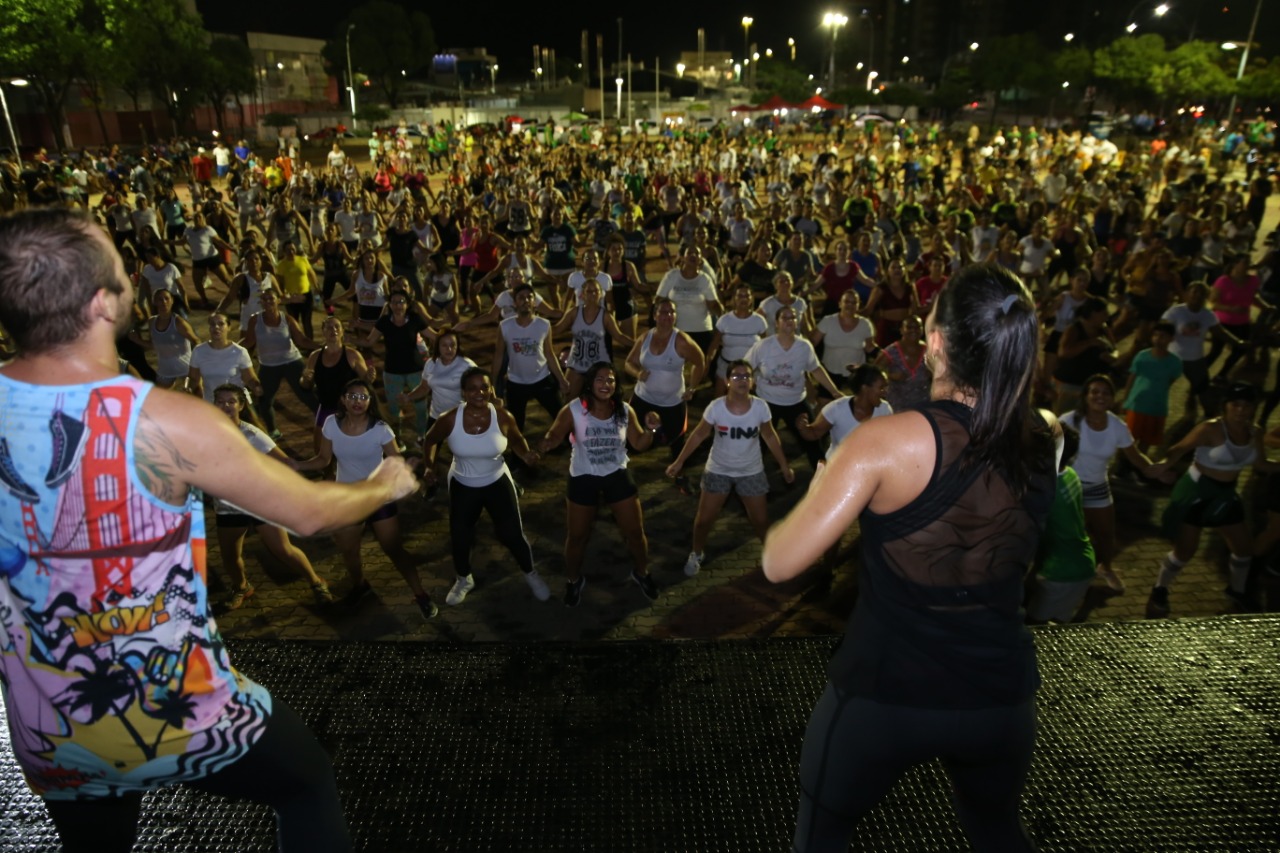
[(115, 677)]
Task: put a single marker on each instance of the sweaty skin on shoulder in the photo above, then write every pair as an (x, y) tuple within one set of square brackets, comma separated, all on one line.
[(885, 464)]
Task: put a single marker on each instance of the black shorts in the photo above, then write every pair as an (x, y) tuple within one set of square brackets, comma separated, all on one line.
[(388, 510), (593, 490), (207, 263), (1146, 311), (702, 339), (1273, 494), (175, 231), (238, 520)]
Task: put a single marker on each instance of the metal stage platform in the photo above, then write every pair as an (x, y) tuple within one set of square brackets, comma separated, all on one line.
[(1154, 736)]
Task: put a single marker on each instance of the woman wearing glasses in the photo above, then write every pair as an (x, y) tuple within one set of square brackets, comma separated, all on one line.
[(739, 421), (359, 439)]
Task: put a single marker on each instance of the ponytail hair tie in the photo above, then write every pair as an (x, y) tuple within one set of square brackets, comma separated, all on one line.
[(1008, 303)]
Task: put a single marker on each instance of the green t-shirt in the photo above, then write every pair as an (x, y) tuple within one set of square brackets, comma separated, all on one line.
[(1152, 378), (1066, 554)]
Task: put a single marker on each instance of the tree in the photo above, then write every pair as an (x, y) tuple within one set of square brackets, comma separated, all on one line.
[(1131, 67), (388, 43), (1010, 67), (779, 77), (1261, 81), (1196, 72), (46, 41), (164, 50), (229, 73), (1075, 66)]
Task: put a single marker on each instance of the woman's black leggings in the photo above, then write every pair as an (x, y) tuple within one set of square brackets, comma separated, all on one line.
[(499, 500), (788, 415), (286, 769), (856, 749)]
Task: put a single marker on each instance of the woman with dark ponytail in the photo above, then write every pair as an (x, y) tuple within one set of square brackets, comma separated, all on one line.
[(951, 498)]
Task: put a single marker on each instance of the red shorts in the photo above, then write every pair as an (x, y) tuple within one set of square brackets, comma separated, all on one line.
[(1146, 429)]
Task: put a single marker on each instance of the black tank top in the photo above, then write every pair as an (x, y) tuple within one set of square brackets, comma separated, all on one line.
[(331, 380), (621, 290), (939, 622)]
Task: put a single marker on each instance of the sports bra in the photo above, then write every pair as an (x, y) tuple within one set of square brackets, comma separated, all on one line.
[(1226, 456)]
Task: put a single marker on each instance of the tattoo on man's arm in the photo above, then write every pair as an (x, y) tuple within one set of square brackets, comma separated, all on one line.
[(159, 462)]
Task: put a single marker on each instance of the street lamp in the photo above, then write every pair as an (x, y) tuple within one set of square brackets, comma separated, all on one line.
[(619, 81), (835, 21), (1244, 59), (973, 45), (493, 78), (791, 43), (351, 81), (1069, 37), (871, 76), (1159, 11), (747, 21), (680, 67), (4, 104)]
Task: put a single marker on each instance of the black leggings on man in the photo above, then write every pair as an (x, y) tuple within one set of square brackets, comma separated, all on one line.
[(855, 749), (546, 392), (286, 769)]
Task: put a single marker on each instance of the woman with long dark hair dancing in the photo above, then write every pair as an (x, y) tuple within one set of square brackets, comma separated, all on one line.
[(950, 498)]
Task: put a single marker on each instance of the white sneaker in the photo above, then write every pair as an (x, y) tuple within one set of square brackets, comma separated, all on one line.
[(538, 585), (461, 587), (693, 565)]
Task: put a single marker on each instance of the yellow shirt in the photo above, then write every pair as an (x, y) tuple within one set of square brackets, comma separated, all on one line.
[(292, 275)]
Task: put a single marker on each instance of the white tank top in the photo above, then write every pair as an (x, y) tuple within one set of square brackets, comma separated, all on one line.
[(425, 235), (599, 447), (253, 305), (588, 341), (173, 351), (372, 293), (275, 344), (665, 384), (477, 459)]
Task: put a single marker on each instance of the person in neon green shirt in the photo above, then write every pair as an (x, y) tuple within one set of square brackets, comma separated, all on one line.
[(298, 280)]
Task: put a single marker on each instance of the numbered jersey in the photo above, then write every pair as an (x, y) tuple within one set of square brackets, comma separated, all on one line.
[(588, 342)]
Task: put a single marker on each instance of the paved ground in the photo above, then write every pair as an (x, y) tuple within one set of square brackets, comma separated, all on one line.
[(730, 598)]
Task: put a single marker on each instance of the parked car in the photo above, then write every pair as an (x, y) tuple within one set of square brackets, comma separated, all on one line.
[(1099, 125), (871, 118), (482, 129), (394, 130), (328, 133)]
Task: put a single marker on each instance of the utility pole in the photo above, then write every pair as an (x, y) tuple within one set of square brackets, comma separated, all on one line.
[(600, 66)]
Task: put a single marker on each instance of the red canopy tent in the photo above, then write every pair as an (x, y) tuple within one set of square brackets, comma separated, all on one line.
[(743, 108), (776, 103), (821, 103)]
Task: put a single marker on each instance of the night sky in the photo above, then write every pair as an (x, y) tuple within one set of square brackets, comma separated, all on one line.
[(646, 33)]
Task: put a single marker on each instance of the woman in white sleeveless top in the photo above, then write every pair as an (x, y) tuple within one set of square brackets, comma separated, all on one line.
[(172, 338), (589, 323), (279, 342), (478, 434)]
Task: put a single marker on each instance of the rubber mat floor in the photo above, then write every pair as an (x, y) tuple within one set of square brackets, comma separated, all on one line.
[(1156, 735)]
